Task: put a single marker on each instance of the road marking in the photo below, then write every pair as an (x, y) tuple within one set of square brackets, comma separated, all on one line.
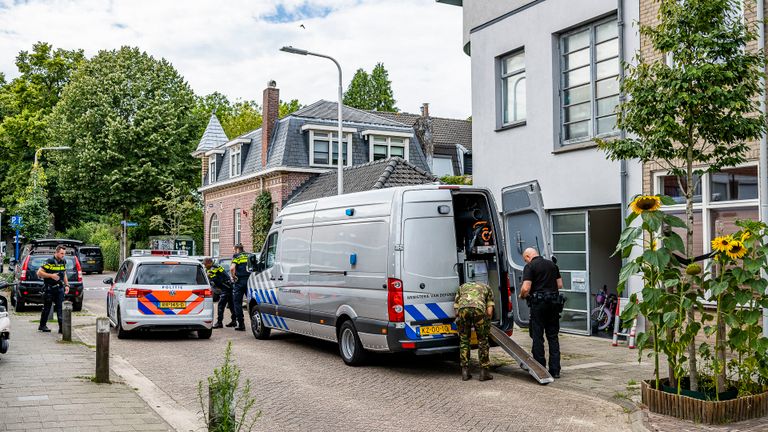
[(587, 365), (96, 289), (171, 411), (32, 398)]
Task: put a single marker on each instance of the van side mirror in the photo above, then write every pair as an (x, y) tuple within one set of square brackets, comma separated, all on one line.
[(108, 281)]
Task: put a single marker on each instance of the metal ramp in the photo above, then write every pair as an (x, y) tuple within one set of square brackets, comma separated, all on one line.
[(537, 371)]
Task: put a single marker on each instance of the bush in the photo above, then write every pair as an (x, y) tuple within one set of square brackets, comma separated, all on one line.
[(457, 180), (102, 234)]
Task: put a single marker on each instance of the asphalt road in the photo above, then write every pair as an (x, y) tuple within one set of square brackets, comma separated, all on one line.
[(301, 384)]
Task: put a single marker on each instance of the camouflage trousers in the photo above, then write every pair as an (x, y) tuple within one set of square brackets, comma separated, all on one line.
[(467, 318)]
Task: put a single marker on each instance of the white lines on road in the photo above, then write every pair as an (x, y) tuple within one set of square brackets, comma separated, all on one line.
[(587, 366), (96, 289)]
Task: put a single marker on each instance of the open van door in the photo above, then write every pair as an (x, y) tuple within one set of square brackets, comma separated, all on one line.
[(525, 225)]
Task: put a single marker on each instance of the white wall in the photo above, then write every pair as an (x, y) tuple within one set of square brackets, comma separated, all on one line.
[(573, 179)]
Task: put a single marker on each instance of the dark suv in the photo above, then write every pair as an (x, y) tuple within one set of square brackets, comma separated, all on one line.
[(91, 259), (28, 288)]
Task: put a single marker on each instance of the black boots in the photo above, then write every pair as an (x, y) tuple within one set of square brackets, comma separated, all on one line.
[(485, 375), (465, 375), (44, 329), (218, 325), (232, 323), (240, 326)]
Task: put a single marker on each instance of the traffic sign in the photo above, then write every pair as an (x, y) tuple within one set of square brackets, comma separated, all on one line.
[(129, 224), (16, 220)]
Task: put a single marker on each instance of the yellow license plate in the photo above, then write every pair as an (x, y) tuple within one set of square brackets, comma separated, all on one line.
[(173, 305), (436, 329)]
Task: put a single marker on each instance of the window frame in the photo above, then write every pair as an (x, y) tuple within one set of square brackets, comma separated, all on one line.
[(236, 222), (592, 64), (211, 239), (330, 140), (235, 160), (212, 170), (443, 158), (372, 137), (503, 80)]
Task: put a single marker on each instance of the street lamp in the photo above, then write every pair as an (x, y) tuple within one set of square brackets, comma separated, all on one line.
[(292, 50), (37, 153), (2, 254)]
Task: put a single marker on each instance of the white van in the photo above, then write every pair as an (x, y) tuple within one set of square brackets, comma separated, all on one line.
[(378, 270)]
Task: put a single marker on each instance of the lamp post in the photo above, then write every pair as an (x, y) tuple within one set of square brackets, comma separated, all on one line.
[(292, 50), (2, 254), (37, 154)]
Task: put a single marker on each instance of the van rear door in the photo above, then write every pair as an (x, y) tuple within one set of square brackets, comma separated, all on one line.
[(524, 226), (428, 266)]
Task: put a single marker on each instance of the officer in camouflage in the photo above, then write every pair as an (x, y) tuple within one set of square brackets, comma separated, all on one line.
[(474, 308)]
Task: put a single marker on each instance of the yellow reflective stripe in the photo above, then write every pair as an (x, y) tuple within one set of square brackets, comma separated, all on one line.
[(240, 260), (54, 267)]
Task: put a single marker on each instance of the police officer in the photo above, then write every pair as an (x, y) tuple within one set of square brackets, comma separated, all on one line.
[(55, 284), (541, 285), (220, 279), (474, 307), (239, 271)]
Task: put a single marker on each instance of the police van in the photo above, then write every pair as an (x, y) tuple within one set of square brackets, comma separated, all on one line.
[(378, 270), (160, 290)]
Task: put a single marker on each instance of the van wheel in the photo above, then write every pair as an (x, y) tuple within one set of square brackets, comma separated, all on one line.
[(121, 332), (260, 331), (350, 347)]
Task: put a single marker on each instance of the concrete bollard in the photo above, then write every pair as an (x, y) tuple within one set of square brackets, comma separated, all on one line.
[(66, 324), (102, 350)]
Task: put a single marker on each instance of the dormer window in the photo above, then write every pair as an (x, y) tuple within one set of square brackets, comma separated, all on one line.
[(324, 145), (235, 161), (386, 146), (212, 170)]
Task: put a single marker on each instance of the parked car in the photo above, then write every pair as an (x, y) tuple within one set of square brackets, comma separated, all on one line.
[(155, 292), (28, 288), (5, 322), (91, 259)]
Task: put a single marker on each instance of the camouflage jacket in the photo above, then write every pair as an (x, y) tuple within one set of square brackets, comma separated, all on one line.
[(473, 295)]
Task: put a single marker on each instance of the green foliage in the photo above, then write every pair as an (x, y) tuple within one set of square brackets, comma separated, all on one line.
[(456, 180), (33, 207), (178, 212), (288, 108), (371, 91), (105, 234), (236, 118), (128, 118), (229, 404), (262, 219)]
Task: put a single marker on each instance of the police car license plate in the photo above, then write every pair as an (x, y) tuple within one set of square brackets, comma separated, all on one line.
[(435, 329), (173, 305)]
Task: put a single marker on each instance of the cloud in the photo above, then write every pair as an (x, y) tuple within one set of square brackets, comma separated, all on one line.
[(233, 46)]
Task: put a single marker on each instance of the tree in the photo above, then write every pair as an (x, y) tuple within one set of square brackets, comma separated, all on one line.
[(694, 114), (236, 118), (245, 117), (261, 220), (33, 207), (129, 119), (288, 108), (371, 92), (177, 213)]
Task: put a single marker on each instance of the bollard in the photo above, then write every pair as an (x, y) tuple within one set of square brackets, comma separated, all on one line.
[(66, 324), (102, 350)]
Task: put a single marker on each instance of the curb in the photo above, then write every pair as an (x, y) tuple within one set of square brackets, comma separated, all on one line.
[(639, 420)]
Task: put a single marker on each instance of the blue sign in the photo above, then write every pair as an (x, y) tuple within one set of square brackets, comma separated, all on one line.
[(129, 224), (16, 220)]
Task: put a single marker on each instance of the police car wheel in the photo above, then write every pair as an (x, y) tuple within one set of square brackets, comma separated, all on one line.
[(259, 330), (350, 347), (121, 332), (204, 334)]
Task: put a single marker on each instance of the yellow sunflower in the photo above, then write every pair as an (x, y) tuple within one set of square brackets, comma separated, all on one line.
[(722, 243), (736, 250), (644, 203), (653, 245), (745, 236)]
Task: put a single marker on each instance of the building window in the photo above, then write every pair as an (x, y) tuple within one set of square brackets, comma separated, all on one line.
[(442, 166), (589, 82), (236, 219), (212, 170), (325, 148), (513, 88), (384, 147), (235, 161), (214, 234)]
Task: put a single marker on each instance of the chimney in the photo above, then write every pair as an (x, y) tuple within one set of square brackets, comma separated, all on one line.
[(270, 107), (425, 109)]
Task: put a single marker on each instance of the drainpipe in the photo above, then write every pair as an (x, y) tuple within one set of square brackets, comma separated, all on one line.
[(762, 169), (622, 133)]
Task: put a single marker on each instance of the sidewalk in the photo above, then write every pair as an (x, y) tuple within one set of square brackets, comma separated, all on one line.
[(45, 385), (592, 366)]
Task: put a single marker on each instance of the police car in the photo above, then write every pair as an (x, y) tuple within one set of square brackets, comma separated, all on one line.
[(160, 290)]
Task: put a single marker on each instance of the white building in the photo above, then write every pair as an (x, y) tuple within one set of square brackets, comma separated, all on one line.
[(545, 82)]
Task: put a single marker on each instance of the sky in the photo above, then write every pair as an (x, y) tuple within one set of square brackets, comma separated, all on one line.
[(232, 46)]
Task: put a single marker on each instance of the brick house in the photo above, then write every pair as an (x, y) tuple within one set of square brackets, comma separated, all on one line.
[(283, 155)]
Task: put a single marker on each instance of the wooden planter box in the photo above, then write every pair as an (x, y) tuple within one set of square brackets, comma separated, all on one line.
[(702, 411)]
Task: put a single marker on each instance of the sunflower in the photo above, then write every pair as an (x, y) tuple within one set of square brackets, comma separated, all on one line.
[(745, 236), (722, 243), (644, 203), (736, 250), (653, 245)]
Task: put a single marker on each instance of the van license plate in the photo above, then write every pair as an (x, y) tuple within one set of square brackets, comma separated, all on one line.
[(91, 261), (435, 329), (173, 305)]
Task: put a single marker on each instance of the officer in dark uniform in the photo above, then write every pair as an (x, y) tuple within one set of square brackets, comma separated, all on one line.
[(239, 271), (541, 285), (220, 279), (55, 284)]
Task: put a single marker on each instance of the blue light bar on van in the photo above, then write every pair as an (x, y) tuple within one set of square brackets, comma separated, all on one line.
[(350, 212), (353, 259)]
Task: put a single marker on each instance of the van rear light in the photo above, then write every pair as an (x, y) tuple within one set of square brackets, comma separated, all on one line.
[(23, 274), (509, 294), (203, 293), (395, 306), (79, 270), (410, 345), (136, 292)]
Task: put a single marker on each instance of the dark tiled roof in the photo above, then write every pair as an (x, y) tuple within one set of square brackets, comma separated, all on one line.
[(213, 136), (445, 131), (324, 109), (373, 175)]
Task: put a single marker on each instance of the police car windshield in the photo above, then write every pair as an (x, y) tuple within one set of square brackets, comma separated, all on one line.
[(170, 274), (35, 261)]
